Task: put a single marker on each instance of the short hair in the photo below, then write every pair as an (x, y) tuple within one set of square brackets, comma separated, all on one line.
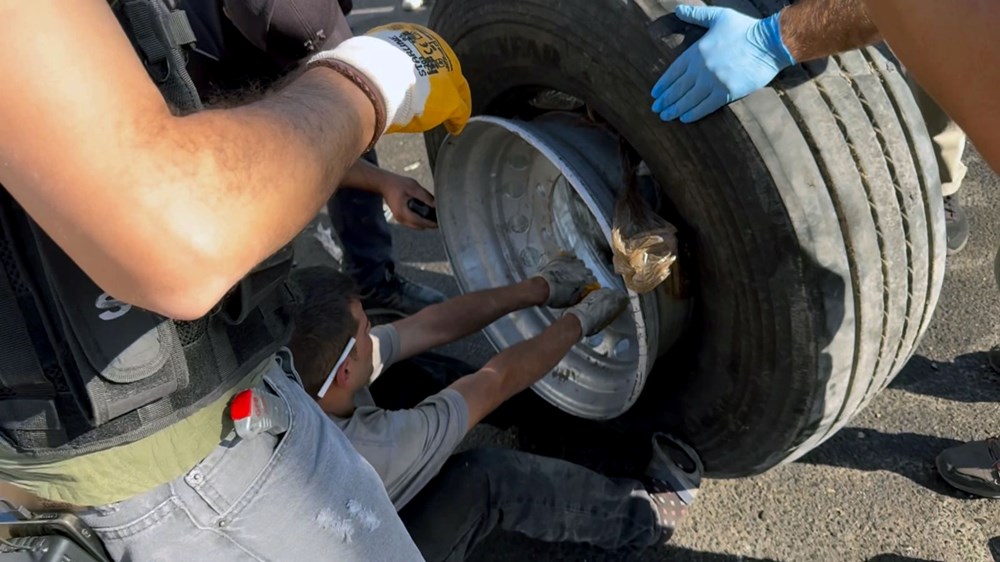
[(323, 321)]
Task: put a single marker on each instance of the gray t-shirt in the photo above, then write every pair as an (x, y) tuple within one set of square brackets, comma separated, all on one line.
[(405, 447)]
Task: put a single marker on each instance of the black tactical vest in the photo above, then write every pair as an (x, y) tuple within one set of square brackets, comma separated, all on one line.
[(81, 371)]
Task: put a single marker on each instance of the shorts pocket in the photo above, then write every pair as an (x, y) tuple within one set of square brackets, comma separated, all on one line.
[(229, 477)]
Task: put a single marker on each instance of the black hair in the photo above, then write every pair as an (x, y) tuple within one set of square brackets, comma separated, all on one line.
[(323, 321)]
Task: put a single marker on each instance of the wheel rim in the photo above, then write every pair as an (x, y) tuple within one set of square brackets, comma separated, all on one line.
[(512, 195)]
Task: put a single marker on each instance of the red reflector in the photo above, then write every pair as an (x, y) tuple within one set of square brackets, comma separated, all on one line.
[(241, 406)]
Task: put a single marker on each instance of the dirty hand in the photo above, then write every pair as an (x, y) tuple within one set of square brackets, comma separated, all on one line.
[(415, 72), (397, 191), (568, 279), (598, 310), (738, 55)]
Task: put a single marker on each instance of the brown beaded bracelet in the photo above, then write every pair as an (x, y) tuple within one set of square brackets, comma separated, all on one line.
[(366, 86)]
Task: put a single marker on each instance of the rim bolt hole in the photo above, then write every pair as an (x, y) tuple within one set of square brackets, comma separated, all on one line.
[(515, 189), (519, 224)]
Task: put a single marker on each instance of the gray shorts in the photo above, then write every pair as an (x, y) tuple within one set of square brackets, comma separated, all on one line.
[(304, 495)]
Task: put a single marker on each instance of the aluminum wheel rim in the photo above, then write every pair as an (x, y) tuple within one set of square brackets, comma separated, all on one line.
[(512, 195)]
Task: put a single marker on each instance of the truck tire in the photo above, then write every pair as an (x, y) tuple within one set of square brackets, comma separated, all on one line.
[(812, 209)]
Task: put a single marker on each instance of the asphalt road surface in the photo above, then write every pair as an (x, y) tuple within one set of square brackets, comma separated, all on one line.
[(871, 493)]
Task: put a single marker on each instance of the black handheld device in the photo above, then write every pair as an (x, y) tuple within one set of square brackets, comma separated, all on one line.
[(422, 209)]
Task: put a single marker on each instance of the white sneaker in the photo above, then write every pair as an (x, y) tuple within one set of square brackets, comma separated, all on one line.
[(413, 5)]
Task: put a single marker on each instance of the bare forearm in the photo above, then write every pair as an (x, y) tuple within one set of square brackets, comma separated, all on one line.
[(525, 363), (204, 198), (246, 180), (161, 211), (471, 312), (363, 175), (516, 368), (950, 49), (466, 314), (813, 29)]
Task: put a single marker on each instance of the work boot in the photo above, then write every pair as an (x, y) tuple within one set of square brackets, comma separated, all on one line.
[(956, 224), (973, 467), (672, 480), (396, 294)]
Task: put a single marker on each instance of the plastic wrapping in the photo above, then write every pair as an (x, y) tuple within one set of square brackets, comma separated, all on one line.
[(644, 243)]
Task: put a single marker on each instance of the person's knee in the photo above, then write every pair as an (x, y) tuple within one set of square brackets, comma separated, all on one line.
[(475, 462), (482, 468), (493, 468), (463, 484)]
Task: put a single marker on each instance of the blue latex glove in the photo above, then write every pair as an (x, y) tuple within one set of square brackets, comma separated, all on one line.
[(738, 54)]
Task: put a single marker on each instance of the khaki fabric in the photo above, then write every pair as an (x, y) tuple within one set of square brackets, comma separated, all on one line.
[(948, 138), (116, 474)]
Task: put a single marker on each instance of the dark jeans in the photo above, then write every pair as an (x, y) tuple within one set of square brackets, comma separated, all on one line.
[(360, 224), (479, 490), (544, 498)]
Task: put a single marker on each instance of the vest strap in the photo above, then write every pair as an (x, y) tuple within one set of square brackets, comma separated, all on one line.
[(161, 34), (19, 367)]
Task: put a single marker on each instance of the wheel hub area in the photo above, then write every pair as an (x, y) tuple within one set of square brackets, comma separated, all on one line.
[(511, 196)]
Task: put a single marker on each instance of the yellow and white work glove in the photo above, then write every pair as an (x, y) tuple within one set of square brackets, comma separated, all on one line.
[(413, 72)]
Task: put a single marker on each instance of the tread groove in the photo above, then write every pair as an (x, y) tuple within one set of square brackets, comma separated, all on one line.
[(880, 237), (929, 301), (898, 190), (845, 230)]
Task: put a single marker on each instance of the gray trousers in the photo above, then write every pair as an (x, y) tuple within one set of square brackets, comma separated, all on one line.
[(543, 498), (303, 495)]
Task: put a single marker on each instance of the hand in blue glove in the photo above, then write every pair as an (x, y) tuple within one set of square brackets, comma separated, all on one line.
[(738, 55)]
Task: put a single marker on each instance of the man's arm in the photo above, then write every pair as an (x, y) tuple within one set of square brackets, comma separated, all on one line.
[(397, 191), (516, 368), (168, 213), (952, 50), (740, 54), (813, 29), (560, 283), (458, 317), (163, 212)]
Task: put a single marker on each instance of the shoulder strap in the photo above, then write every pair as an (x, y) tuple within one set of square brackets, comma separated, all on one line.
[(160, 34)]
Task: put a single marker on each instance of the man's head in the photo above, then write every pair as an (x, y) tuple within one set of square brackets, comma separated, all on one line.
[(327, 315)]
